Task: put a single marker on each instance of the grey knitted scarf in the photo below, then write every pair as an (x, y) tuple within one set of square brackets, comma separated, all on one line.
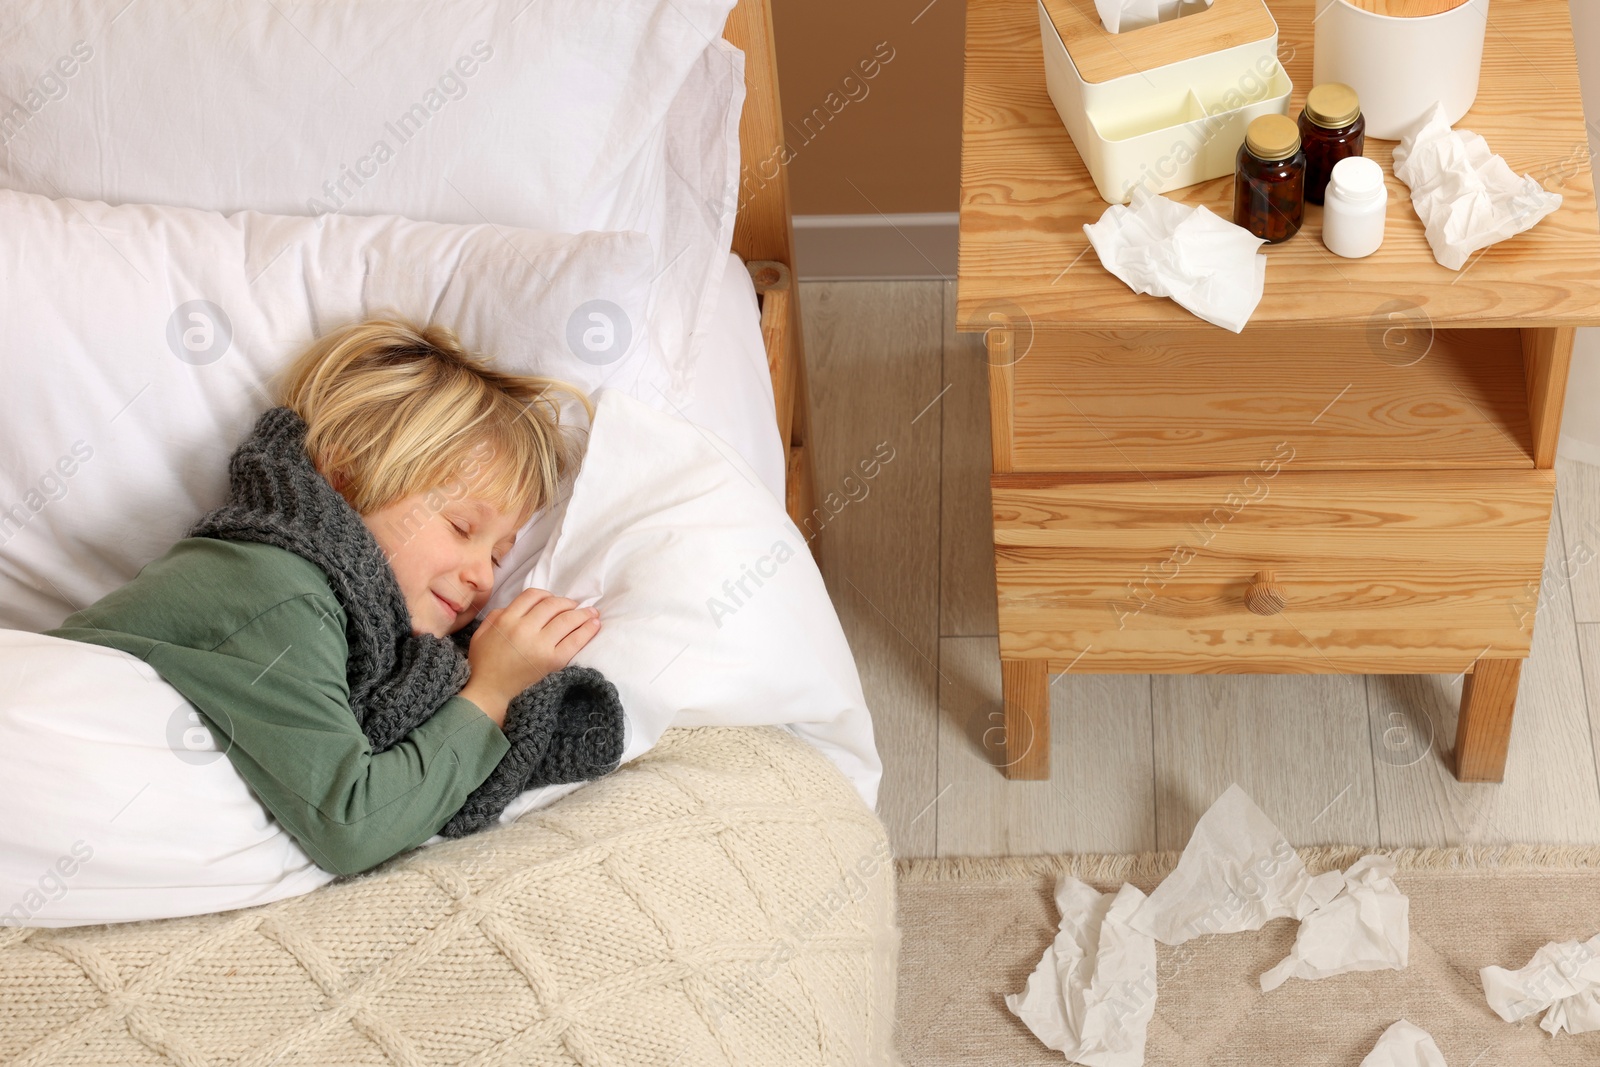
[(566, 728)]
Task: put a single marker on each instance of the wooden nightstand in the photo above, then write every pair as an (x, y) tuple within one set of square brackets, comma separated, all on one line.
[(1361, 482)]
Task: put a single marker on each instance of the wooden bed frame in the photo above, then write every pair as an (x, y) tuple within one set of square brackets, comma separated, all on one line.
[(763, 236)]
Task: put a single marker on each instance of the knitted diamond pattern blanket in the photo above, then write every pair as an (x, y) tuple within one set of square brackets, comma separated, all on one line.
[(724, 900), (569, 727)]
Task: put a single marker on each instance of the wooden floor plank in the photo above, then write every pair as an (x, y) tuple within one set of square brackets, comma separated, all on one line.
[(966, 523), (1550, 792), (1099, 797), (874, 352), (1297, 744), (1577, 569), (1589, 659)]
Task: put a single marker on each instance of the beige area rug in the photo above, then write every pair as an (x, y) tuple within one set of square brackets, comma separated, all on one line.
[(973, 930)]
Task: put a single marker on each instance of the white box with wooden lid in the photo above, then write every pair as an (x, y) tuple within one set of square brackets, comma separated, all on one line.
[(1164, 105)]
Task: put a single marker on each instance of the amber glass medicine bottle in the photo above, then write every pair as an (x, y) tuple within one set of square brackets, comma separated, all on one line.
[(1331, 128), (1269, 179)]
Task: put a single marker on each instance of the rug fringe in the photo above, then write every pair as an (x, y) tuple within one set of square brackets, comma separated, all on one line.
[(1114, 867)]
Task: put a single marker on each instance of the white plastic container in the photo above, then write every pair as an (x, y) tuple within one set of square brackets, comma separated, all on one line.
[(1400, 66), (1170, 125), (1354, 208)]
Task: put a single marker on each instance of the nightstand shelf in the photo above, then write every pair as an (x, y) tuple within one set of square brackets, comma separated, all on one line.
[(1359, 482), (1401, 397)]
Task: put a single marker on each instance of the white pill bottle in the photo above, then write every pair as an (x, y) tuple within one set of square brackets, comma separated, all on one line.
[(1354, 207)]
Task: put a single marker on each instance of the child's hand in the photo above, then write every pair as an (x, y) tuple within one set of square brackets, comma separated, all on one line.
[(517, 645)]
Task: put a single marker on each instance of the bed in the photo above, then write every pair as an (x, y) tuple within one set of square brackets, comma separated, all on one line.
[(726, 896)]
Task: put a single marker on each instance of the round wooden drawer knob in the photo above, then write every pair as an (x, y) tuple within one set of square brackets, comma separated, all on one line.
[(1264, 596)]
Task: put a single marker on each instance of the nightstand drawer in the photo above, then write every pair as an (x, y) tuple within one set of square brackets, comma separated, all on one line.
[(1275, 570)]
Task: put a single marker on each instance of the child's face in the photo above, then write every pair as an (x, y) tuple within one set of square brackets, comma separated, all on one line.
[(442, 554)]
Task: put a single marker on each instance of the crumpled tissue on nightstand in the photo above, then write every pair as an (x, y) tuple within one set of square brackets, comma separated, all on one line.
[(1119, 16), (1237, 872), (1563, 976), (1092, 994), (1164, 248), (1405, 1044), (1366, 926), (1466, 196)]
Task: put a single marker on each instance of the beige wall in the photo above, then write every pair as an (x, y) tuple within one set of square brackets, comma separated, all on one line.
[(871, 96), (1580, 425)]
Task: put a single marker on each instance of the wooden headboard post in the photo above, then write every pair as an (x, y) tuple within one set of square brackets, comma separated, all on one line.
[(763, 236)]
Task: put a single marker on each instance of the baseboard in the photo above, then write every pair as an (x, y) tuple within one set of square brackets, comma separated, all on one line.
[(876, 246), (1576, 448)]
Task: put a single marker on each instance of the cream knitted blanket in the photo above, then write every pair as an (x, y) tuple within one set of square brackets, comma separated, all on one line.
[(724, 899)]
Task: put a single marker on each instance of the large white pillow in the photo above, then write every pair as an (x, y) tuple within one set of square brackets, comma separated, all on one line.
[(114, 810), (713, 612), (702, 194), (561, 115), (140, 343)]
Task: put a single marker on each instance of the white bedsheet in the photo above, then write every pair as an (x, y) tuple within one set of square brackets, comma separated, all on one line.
[(117, 810)]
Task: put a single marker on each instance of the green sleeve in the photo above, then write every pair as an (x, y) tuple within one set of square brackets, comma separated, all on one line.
[(276, 696)]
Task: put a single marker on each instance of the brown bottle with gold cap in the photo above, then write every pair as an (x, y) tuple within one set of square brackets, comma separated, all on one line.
[(1331, 128), (1269, 179)]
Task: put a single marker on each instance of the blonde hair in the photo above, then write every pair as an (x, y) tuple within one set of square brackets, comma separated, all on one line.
[(393, 408)]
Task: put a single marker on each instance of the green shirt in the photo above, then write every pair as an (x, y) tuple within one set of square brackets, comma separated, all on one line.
[(253, 636)]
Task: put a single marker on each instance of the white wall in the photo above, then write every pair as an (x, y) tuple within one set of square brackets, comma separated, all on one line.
[(1580, 422)]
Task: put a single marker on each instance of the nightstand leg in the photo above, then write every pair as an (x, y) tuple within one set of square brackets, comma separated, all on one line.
[(1483, 731), (1025, 686)]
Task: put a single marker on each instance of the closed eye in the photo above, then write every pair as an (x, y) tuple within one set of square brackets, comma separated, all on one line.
[(492, 560)]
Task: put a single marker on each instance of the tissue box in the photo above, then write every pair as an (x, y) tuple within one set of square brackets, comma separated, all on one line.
[(1160, 106)]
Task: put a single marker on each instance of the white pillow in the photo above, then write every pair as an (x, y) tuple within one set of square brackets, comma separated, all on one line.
[(702, 195), (125, 809), (561, 115), (712, 611), (115, 436)]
